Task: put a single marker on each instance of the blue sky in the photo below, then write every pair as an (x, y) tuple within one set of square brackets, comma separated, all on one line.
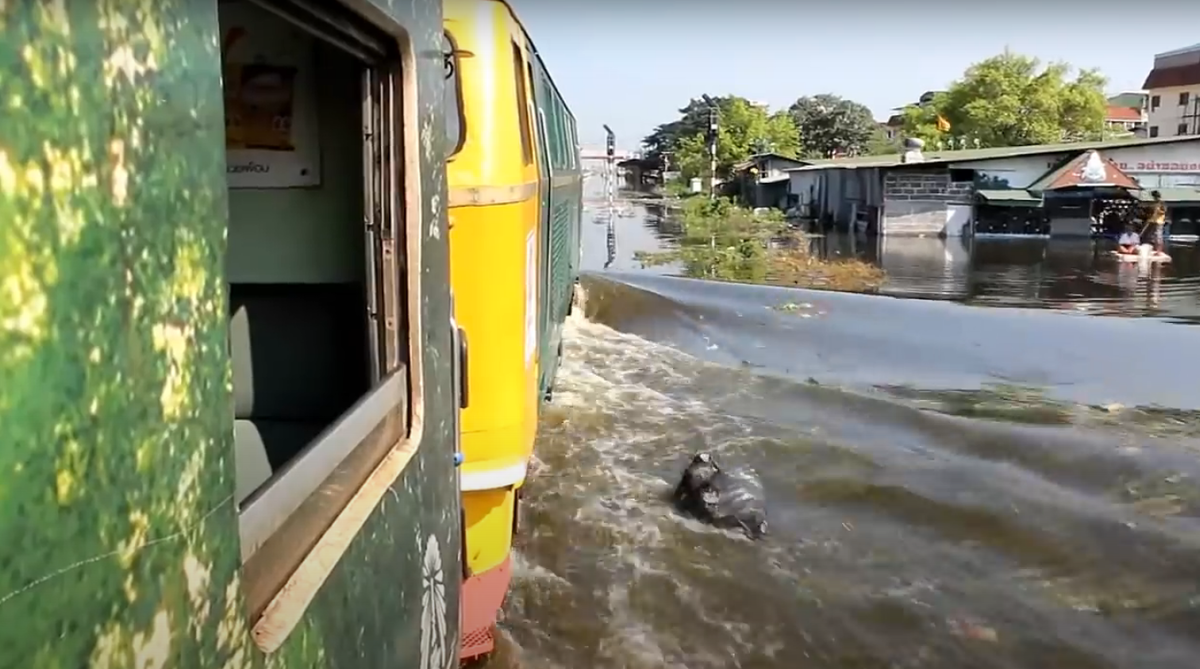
[(633, 63)]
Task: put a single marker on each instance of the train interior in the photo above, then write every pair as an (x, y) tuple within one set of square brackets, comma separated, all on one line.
[(298, 255)]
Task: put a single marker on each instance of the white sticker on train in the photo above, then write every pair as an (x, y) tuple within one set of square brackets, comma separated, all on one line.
[(531, 334)]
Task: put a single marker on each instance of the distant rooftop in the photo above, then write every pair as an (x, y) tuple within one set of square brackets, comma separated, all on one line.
[(965, 155), (1178, 52), (1118, 113)]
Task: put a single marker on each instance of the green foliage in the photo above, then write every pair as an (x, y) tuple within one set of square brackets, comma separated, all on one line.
[(744, 129), (830, 124), (880, 145), (722, 241), (1011, 100)]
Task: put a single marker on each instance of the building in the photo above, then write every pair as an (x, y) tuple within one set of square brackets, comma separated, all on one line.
[(892, 127), (895, 123), (640, 172), (762, 179), (1174, 89), (1052, 189), (1127, 112)]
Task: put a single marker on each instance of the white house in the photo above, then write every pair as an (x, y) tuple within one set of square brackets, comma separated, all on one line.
[(1174, 89)]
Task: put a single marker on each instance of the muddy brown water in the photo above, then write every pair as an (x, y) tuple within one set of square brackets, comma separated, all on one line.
[(950, 484)]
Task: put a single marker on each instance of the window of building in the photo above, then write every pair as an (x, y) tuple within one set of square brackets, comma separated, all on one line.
[(1183, 99), (1182, 129), (1154, 102), (455, 120), (1154, 131), (523, 104), (962, 175), (319, 343)]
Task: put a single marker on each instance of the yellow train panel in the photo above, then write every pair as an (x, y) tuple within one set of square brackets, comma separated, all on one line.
[(494, 275), (495, 269), (490, 512)]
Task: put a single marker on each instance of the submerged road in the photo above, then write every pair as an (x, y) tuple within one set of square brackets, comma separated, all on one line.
[(950, 485)]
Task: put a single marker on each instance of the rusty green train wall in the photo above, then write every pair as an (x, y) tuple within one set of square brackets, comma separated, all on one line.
[(118, 532)]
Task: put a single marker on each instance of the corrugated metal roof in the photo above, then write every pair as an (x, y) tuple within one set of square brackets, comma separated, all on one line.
[(969, 155), (1009, 196), (752, 160)]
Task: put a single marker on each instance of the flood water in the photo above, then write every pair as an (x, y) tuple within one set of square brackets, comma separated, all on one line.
[(1006, 476)]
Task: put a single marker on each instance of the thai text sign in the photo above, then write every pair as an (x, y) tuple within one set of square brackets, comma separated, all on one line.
[(1159, 166)]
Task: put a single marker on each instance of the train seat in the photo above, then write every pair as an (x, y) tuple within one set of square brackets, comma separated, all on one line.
[(292, 347)]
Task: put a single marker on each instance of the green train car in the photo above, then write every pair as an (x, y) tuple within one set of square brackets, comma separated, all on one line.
[(561, 191), (229, 378)]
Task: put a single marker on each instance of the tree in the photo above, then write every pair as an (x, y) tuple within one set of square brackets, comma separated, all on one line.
[(1010, 100), (744, 129), (830, 124)]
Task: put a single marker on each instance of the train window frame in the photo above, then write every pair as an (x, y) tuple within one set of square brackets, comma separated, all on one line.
[(524, 118), (458, 112), (298, 525)]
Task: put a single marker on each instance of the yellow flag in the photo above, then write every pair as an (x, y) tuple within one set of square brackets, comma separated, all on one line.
[(942, 124)]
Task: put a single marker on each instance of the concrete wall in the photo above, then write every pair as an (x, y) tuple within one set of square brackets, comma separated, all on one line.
[(1018, 172), (1160, 165), (925, 202), (773, 168), (1154, 165)]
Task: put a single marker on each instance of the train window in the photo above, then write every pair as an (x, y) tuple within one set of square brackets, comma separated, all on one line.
[(455, 120), (556, 115), (552, 122), (562, 131), (571, 142), (323, 383), (522, 104)]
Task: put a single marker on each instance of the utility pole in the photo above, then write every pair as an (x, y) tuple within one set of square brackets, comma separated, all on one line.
[(712, 152), (610, 185), (610, 162)]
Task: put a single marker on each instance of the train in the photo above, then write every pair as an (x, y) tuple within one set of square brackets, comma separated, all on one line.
[(282, 286), (515, 188)]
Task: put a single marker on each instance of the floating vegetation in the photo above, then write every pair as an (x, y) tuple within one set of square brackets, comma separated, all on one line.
[(724, 242), (1030, 405), (1002, 402)]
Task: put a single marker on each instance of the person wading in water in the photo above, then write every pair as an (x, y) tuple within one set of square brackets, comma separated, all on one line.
[(1155, 222)]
